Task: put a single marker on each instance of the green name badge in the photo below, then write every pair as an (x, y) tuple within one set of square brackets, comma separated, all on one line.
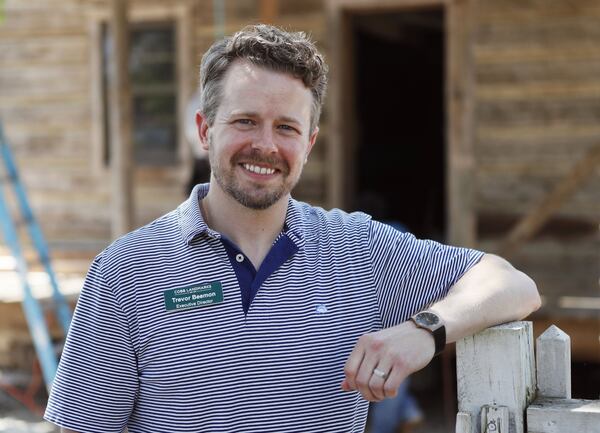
[(198, 295)]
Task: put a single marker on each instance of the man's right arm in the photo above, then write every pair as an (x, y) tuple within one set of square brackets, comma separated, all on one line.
[(80, 397)]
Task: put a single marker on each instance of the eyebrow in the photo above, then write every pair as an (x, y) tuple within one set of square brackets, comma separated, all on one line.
[(254, 114), (290, 120)]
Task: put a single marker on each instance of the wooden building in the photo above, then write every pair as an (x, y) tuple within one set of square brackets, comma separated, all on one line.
[(481, 115)]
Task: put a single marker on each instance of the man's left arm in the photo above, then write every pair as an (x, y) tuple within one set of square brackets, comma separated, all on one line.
[(490, 293)]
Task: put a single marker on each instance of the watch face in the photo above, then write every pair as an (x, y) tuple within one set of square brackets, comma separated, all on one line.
[(427, 319)]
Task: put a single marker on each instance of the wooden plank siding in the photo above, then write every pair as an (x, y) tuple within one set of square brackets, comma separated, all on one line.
[(48, 54), (535, 104), (49, 105), (537, 99), (45, 108)]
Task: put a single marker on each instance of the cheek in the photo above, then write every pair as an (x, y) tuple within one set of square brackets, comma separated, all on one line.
[(227, 143), (296, 158)]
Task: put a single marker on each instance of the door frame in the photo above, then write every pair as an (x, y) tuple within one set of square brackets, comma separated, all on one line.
[(459, 88)]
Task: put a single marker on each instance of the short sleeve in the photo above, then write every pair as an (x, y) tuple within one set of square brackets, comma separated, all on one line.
[(411, 274), (97, 381)]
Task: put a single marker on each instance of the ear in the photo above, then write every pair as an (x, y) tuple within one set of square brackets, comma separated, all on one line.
[(311, 142), (202, 125)]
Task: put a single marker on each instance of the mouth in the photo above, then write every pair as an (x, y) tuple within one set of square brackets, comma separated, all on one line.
[(257, 169)]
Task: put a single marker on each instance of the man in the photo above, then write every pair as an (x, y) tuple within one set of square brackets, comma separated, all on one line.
[(247, 311)]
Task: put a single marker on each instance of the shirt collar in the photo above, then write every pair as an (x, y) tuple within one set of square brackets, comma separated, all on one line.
[(192, 223), (294, 223)]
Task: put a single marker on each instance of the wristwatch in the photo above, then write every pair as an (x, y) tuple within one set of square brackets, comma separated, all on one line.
[(433, 323)]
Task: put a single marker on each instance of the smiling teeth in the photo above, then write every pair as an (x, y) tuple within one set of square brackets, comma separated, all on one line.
[(259, 170)]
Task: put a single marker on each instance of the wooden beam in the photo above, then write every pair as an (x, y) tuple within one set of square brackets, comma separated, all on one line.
[(460, 185), (121, 144), (269, 9), (529, 225), (339, 107), (553, 415)]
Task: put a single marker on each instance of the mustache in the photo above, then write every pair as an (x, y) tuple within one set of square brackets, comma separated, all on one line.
[(255, 157)]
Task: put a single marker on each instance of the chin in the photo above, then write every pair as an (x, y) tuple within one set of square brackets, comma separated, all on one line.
[(257, 200)]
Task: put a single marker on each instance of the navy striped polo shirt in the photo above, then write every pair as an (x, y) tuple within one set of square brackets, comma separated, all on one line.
[(160, 341)]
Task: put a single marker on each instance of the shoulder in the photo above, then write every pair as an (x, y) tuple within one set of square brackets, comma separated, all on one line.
[(321, 223), (333, 217)]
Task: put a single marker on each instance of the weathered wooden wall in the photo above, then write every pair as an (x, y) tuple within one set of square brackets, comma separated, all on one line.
[(45, 108), (47, 105), (537, 102), (537, 111)]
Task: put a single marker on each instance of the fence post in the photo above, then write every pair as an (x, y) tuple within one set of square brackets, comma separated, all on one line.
[(554, 411), (496, 368), (553, 363), (464, 423)]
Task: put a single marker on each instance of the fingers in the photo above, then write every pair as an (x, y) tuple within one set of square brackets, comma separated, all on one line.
[(377, 380), (365, 376), (368, 355), (393, 382), (352, 366), (375, 368), (380, 375)]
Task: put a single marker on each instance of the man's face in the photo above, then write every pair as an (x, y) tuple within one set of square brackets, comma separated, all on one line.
[(260, 139)]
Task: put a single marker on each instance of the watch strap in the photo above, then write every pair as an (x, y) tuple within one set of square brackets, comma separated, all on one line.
[(439, 337), (438, 332)]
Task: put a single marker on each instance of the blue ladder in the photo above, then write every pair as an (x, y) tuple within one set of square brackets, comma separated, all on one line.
[(34, 314)]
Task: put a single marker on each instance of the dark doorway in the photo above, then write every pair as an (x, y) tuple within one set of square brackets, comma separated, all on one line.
[(400, 115)]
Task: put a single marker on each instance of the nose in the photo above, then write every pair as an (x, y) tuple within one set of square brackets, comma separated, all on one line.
[(265, 141)]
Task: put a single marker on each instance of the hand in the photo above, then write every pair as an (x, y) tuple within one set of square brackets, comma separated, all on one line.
[(397, 352)]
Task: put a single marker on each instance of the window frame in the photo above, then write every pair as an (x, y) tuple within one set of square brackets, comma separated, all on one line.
[(180, 15)]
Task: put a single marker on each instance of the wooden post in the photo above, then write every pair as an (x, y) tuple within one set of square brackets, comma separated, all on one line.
[(121, 145), (553, 363), (464, 423), (460, 178), (496, 367), (554, 411), (269, 9), (340, 138)]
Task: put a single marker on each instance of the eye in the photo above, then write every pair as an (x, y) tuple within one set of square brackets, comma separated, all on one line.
[(245, 122), (288, 128)]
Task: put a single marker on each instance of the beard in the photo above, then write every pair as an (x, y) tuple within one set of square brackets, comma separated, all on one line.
[(249, 194)]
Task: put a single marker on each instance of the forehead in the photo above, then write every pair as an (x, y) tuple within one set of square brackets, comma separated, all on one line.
[(248, 87)]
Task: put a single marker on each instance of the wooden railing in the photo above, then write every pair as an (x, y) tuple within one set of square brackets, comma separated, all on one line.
[(503, 389)]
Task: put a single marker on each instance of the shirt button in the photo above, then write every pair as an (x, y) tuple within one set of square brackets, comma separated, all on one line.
[(239, 258)]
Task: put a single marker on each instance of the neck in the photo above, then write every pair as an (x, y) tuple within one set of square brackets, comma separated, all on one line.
[(254, 231)]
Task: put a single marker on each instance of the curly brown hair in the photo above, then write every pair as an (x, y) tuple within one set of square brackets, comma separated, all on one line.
[(272, 48)]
